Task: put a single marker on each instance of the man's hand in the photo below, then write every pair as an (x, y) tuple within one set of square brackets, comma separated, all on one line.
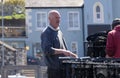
[(70, 54), (67, 53)]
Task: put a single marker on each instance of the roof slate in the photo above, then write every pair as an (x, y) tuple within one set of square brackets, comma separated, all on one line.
[(54, 3)]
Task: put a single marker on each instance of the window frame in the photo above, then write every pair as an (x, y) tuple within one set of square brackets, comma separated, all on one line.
[(45, 20), (76, 45), (36, 48), (78, 20), (95, 13)]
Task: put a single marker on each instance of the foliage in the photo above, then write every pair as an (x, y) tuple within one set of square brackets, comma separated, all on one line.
[(17, 6), (14, 16), (13, 9)]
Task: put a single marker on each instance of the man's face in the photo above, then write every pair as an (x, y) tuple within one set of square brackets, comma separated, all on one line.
[(55, 20)]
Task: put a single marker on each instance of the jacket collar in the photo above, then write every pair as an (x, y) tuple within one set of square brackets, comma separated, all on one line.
[(54, 28)]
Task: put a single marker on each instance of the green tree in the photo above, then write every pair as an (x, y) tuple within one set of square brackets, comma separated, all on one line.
[(13, 6)]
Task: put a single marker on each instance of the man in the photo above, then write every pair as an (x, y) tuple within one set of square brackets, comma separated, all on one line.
[(53, 45), (113, 40)]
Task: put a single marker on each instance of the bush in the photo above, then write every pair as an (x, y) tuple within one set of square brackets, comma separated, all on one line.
[(14, 16)]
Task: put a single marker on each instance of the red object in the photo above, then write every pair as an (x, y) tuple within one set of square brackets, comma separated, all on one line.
[(113, 42)]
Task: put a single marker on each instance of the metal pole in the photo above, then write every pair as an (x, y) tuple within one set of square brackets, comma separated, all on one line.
[(2, 32)]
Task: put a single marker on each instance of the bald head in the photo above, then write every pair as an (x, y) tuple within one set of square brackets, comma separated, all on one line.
[(52, 12), (54, 18)]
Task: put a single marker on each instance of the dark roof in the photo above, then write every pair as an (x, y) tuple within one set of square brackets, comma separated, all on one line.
[(54, 3)]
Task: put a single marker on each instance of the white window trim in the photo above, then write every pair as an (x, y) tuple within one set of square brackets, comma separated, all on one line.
[(95, 20), (76, 46), (77, 28), (39, 28)]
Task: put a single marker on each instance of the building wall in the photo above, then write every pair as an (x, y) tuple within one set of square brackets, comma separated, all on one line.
[(110, 11), (70, 35), (115, 9), (89, 13)]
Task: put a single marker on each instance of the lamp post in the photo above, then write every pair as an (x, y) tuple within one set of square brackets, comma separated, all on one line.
[(2, 33)]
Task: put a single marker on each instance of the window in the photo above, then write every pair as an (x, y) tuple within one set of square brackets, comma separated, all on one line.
[(41, 20), (73, 20), (98, 14), (37, 49), (74, 47)]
